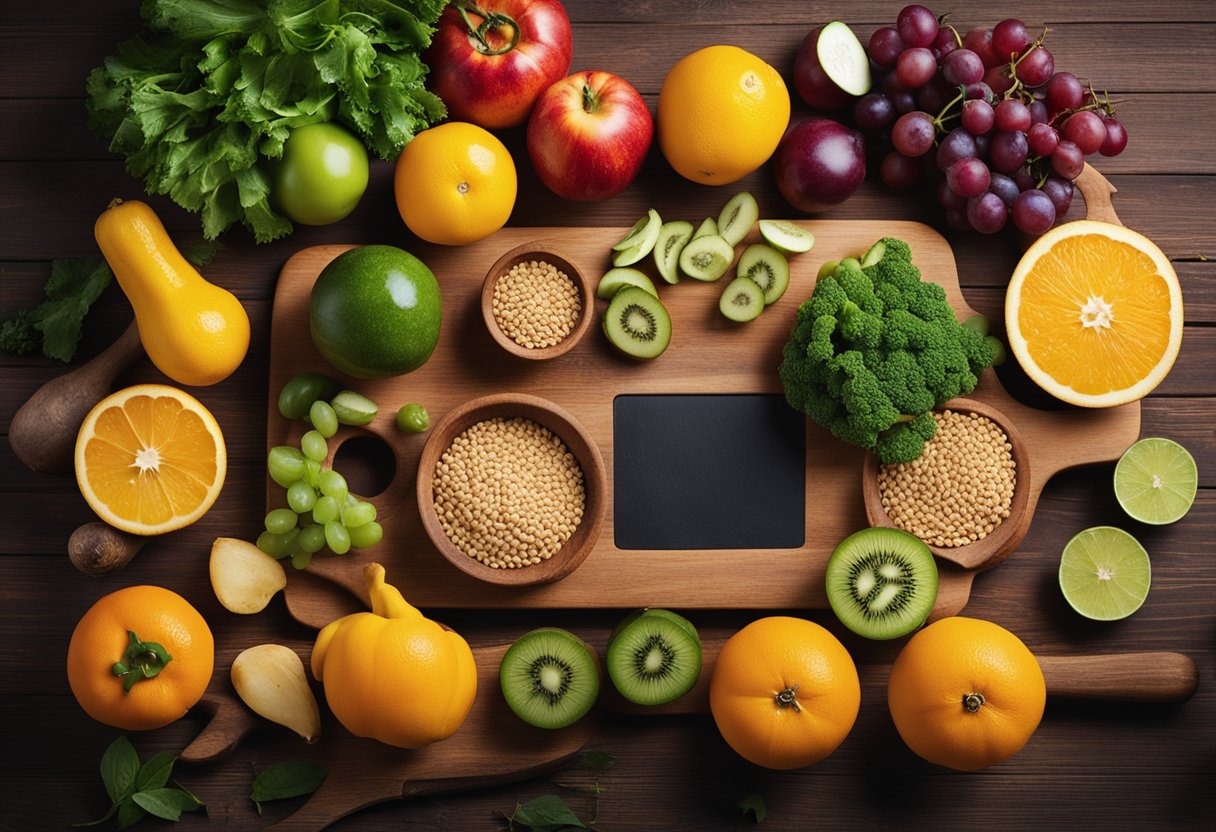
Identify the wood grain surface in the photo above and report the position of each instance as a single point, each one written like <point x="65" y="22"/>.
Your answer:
<point x="1105" y="765"/>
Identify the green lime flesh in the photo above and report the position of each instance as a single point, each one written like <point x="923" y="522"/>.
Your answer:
<point x="1104" y="573"/>
<point x="882" y="583"/>
<point x="550" y="678"/>
<point x="654" y="657"/>
<point x="1156" y="480"/>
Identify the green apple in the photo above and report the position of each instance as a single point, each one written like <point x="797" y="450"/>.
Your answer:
<point x="322" y="175"/>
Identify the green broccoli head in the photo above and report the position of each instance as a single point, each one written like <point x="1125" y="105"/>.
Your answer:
<point x="875" y="349"/>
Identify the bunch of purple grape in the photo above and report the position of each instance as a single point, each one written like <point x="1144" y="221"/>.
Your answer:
<point x="989" y="111"/>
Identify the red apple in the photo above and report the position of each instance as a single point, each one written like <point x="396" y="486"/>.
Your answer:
<point x="588" y="135"/>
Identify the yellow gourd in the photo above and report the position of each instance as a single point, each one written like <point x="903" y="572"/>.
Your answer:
<point x="195" y="332"/>
<point x="392" y="674"/>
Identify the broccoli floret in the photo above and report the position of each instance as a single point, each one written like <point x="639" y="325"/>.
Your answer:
<point x="875" y="349"/>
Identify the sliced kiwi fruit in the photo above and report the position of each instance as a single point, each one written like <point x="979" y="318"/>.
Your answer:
<point x="673" y="236"/>
<point x="882" y="583"/>
<point x="786" y="237"/>
<point x="742" y="300"/>
<point x="616" y="279"/>
<point x="707" y="228"/>
<point x="647" y="228"/>
<point x="550" y="677"/>
<point x="768" y="268"/>
<point x="873" y="254"/>
<point x="637" y="323"/>
<point x="707" y="258"/>
<point x="654" y="657"/>
<point x="738" y="216"/>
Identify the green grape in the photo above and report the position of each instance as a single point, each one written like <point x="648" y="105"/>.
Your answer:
<point x="360" y="514"/>
<point x="323" y="419"/>
<point x="337" y="537"/>
<point x="285" y="464"/>
<point x="281" y="520"/>
<point x="333" y="484"/>
<point x="326" y="510"/>
<point x="291" y="542"/>
<point x="301" y="559"/>
<point x="301" y="391"/>
<point x="301" y="497"/>
<point x="369" y="534"/>
<point x="312" y="472"/>
<point x="312" y="538"/>
<point x="353" y="408"/>
<point x="314" y="446"/>
<point x="272" y="544"/>
<point x="413" y="418"/>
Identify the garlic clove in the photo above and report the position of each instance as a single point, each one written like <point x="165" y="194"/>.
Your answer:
<point x="270" y="679"/>
<point x="243" y="576"/>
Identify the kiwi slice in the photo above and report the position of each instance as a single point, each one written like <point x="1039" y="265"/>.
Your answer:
<point x="654" y="657"/>
<point x="673" y="236"/>
<point x="647" y="228"/>
<point x="707" y="258"/>
<point x="742" y="301"/>
<point x="786" y="237"/>
<point x="550" y="677"/>
<point x="882" y="583"/>
<point x="637" y="323"/>
<point x="616" y="279"/>
<point x="873" y="254"/>
<point x="707" y="228"/>
<point x="738" y="216"/>
<point x="768" y="268"/>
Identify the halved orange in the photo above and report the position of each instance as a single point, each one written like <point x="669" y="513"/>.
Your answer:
<point x="150" y="459"/>
<point x="1094" y="314"/>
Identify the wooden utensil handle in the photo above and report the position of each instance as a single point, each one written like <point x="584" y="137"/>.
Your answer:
<point x="1128" y="677"/>
<point x="230" y="722"/>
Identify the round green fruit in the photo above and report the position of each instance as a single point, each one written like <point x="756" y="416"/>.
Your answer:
<point x="322" y="175"/>
<point x="375" y="312"/>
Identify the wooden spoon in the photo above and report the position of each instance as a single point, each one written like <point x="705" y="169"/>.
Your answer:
<point x="96" y="548"/>
<point x="43" y="431"/>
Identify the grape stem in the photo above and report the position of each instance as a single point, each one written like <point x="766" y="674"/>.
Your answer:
<point x="937" y="122"/>
<point x="1025" y="96"/>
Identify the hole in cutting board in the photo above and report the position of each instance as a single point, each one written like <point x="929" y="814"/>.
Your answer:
<point x="367" y="462"/>
<point x="708" y="472"/>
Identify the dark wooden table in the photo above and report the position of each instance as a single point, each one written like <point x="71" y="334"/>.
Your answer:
<point x="1100" y="766"/>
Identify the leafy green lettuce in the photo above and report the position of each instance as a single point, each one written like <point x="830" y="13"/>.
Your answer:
<point x="200" y="102"/>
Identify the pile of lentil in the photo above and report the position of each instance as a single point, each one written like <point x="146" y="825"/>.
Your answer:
<point x="508" y="492"/>
<point x="960" y="489"/>
<point x="536" y="304"/>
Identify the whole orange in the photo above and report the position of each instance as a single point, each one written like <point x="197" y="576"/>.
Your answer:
<point x="722" y="112"/>
<point x="784" y="692"/>
<point x="966" y="693"/>
<point x="140" y="658"/>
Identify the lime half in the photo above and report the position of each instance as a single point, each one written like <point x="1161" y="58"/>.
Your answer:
<point x="1104" y="573"/>
<point x="1155" y="481"/>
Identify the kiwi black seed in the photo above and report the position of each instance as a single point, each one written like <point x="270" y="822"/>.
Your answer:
<point x="882" y="583"/>
<point x="742" y="300"/>
<point x="654" y="657"/>
<point x="550" y="677"/>
<point x="768" y="268"/>
<point x="637" y="323"/>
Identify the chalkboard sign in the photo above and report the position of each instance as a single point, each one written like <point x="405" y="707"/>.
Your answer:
<point x="708" y="472"/>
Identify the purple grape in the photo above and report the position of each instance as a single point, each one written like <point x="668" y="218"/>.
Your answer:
<point x="1116" y="137"/>
<point x="977" y="118"/>
<point x="979" y="41"/>
<point x="1060" y="192"/>
<point x="1012" y="116"/>
<point x="904" y="101"/>
<point x="1064" y="92"/>
<point x="1086" y="130"/>
<point x="1009" y="38"/>
<point x="885" y="46"/>
<point x="898" y="171"/>
<point x="948" y="199"/>
<point x="1004" y="187"/>
<point x="997" y="78"/>
<point x="1009" y="151"/>
<point x="1036" y="66"/>
<point x="1038" y="112"/>
<point x="913" y="133"/>
<point x="987" y="213"/>
<point x="1067" y="160"/>
<point x="1033" y="211"/>
<point x="917" y="26"/>
<point x="915" y="67"/>
<point x="980" y="92"/>
<point x="1023" y="179"/>
<point x="982" y="145"/>
<point x="874" y="111"/>
<point x="968" y="177"/>
<point x="962" y="66"/>
<point x="956" y="218"/>
<point x="958" y="144"/>
<point x="933" y="96"/>
<point x="1042" y="139"/>
<point x="945" y="43"/>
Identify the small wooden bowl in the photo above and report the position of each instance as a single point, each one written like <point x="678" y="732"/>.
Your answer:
<point x="595" y="485"/>
<point x="537" y="251"/>
<point x="1005" y="536"/>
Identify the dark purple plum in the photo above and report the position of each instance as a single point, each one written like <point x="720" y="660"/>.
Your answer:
<point x="819" y="163"/>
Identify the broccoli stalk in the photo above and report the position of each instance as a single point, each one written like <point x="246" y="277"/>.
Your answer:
<point x="875" y="349"/>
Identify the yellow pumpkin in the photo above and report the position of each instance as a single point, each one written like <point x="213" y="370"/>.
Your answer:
<point x="195" y="332"/>
<point x="392" y="674"/>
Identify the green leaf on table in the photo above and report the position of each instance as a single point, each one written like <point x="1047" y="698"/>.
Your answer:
<point x="74" y="285"/>
<point x="290" y="779"/>
<point x="166" y="803"/>
<point x="129" y="814"/>
<point x="547" y="813"/>
<point x="597" y="760"/>
<point x="753" y="805"/>
<point x="155" y="772"/>
<point x="119" y="765"/>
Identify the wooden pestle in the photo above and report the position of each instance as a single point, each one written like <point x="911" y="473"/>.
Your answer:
<point x="43" y="431"/>
<point x="96" y="548"/>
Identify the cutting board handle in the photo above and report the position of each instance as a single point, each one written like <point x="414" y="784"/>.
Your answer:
<point x="229" y="724"/>
<point x="1097" y="191"/>
<point x="1127" y="677"/>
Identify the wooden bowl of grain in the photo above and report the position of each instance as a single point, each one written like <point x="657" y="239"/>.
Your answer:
<point x="983" y="480"/>
<point x="512" y="490"/>
<point x="536" y="302"/>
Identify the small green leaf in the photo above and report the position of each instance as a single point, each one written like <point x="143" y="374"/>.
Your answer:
<point x="199" y="252"/>
<point x="753" y="805"/>
<point x="119" y="766"/>
<point x="290" y="779"/>
<point x="547" y="813"/>
<point x="597" y="760"/>
<point x="155" y="772"/>
<point x="166" y="803"/>
<point x="129" y="814"/>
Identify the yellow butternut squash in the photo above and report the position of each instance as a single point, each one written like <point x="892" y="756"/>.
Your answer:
<point x="195" y="332"/>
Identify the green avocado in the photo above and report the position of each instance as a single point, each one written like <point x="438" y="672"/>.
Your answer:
<point x="375" y="312"/>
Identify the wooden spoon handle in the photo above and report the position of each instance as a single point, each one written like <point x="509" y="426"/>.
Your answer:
<point x="1097" y="191"/>
<point x="96" y="548"/>
<point x="43" y="432"/>
<point x="1128" y="677"/>
<point x="230" y="723"/>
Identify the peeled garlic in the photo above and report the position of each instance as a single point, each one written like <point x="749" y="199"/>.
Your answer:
<point x="243" y="576"/>
<point x="270" y="679"/>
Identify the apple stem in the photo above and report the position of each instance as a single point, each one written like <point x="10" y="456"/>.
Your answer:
<point x="489" y="22"/>
<point x="591" y="99"/>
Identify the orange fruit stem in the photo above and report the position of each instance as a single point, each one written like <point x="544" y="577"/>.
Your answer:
<point x="141" y="660"/>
